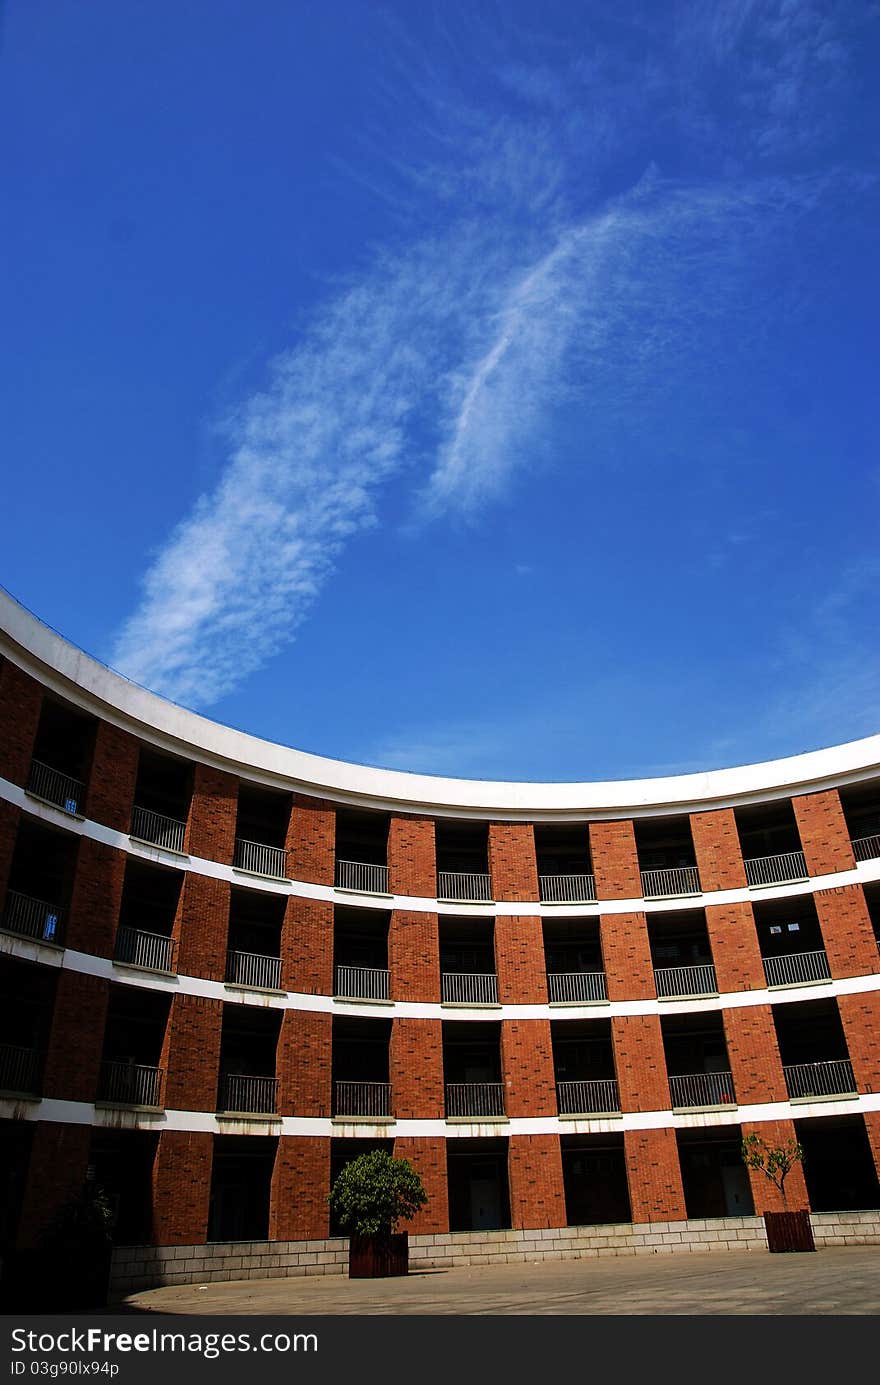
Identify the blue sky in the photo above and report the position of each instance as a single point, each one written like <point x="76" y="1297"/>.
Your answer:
<point x="487" y="390"/>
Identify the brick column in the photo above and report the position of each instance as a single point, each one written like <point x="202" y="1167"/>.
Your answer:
<point x="311" y="840"/>
<point x="298" y="1209"/>
<point x="211" y="828"/>
<point x="414" y="956"/>
<point x="527" y="1068"/>
<point x="615" y="860"/>
<point x="753" y="1051"/>
<point x="96" y="898"/>
<point x="412" y="857"/>
<point x="765" y="1196"/>
<point x="201" y="926"/>
<point x="415" y="1060"/>
<point x="304" y="1065"/>
<point x="823" y="832"/>
<point x="76" y="1037"/>
<point x="653" y="1172"/>
<point x="513" y="866"/>
<point x="626" y="957"/>
<point x="9" y="820"/>
<point x="717" y="848"/>
<point x="640" y="1063"/>
<point x="860" y="1017"/>
<point x="519" y="960"/>
<point x="872" y="1129"/>
<point x="428" y="1158"/>
<point x="21" y="699"/>
<point x="537" y="1194"/>
<point x="181" y="1180"/>
<point x="736" y="951"/>
<point x="57" y="1172"/>
<point x="110" y="792"/>
<point x="191" y="1053"/>
<point x="847" y="932"/>
<point x="307" y="946"/>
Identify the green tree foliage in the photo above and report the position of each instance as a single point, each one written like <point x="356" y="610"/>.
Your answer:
<point x="773" y="1161"/>
<point x="374" y="1192"/>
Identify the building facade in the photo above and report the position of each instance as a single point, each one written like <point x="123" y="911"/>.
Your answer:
<point x="227" y="967"/>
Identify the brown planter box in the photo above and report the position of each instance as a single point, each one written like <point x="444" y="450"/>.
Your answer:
<point x="789" y="1231"/>
<point x="378" y="1257"/>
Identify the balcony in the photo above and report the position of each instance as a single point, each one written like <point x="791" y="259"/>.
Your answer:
<point x="362" y="1099"/>
<point x="19" y="1070"/>
<point x="866" y="848"/>
<point x="361" y="983"/>
<point x="157" y="829"/>
<point x="361" y="877"/>
<point x="594" y="1097"/>
<point x="456" y="886"/>
<point x="475" y="1100"/>
<point x="253" y="969"/>
<point x="468" y="988"/>
<point x="54" y="787"/>
<point x="680" y="981"/>
<point x="151" y="951"/>
<point x="576" y="987"/>
<point x="775" y="870"/>
<point x="806" y="1080"/>
<point x="796" y="968"/>
<point x="700" y="1089"/>
<point x="130" y="1084"/>
<point x="32" y="918"/>
<point x="670" y="883"/>
<point x="248" y="1095"/>
<point x="260" y="859"/>
<point x="567" y="889"/>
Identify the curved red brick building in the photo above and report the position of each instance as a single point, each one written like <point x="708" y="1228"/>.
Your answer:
<point x="227" y="966"/>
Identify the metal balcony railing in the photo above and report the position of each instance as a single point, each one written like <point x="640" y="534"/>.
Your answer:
<point x="18" y="1070"/>
<point x="696" y="980"/>
<point x="152" y="951"/>
<point x="252" y="1095"/>
<point x="259" y="858"/>
<point x="795" y="967"/>
<point x="833" y="1078"/>
<point x="469" y="988"/>
<point x="362" y="1099"/>
<point x="253" y="969"/>
<point x="365" y="983"/>
<point x="361" y="876"/>
<point x="130" y="1084"/>
<point x="866" y="848"/>
<point x="477" y="1099"/>
<point x="463" y="885"/>
<point x="665" y="884"/>
<point x="55" y="787"/>
<point x="587" y="1098"/>
<point x="702" y="1089"/>
<point x="32" y="918"/>
<point x="567" y="889"/>
<point x="572" y="987"/>
<point x="776" y="870"/>
<point x="158" y="829"/>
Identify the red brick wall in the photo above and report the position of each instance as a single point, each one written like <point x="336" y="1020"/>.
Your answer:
<point x="872" y="1128"/>
<point x="653" y="1172"/>
<point x="847" y="932"/>
<point x="414" y="956"/>
<point x="311" y="840"/>
<point x="860" y="1017"/>
<point x="527" y="1065"/>
<point x="211" y="829"/>
<point x="307" y="946"/>
<point x="519" y="960"/>
<point x="305" y="1048"/>
<point x="537" y="1195"/>
<point x="615" y="860"/>
<point x="110" y="793"/>
<point x="191" y="1053"/>
<point x="20" y="702"/>
<point x="736" y="951"/>
<point x="412" y="857"/>
<point x="95" y="899"/>
<point x="76" y="1037"/>
<point x="415" y="1060"/>
<point x="512" y="862"/>
<point x="201" y="926"/>
<point x="57" y="1171"/>
<point x="298" y="1209"/>
<point x="626" y="956"/>
<point x="823" y="832"/>
<point x="765" y="1195"/>
<point x="428" y="1158"/>
<point x="640" y="1062"/>
<point x="753" y="1052"/>
<point x="181" y="1181"/>
<point x="9" y="820"/>
<point x="717" y="848"/>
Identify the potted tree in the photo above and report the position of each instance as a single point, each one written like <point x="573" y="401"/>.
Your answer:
<point x="369" y="1197"/>
<point x="785" y="1230"/>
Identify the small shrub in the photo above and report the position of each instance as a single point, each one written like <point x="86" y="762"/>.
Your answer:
<point x="375" y="1192"/>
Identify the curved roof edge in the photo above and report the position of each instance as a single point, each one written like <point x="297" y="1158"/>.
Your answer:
<point x="55" y="661"/>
